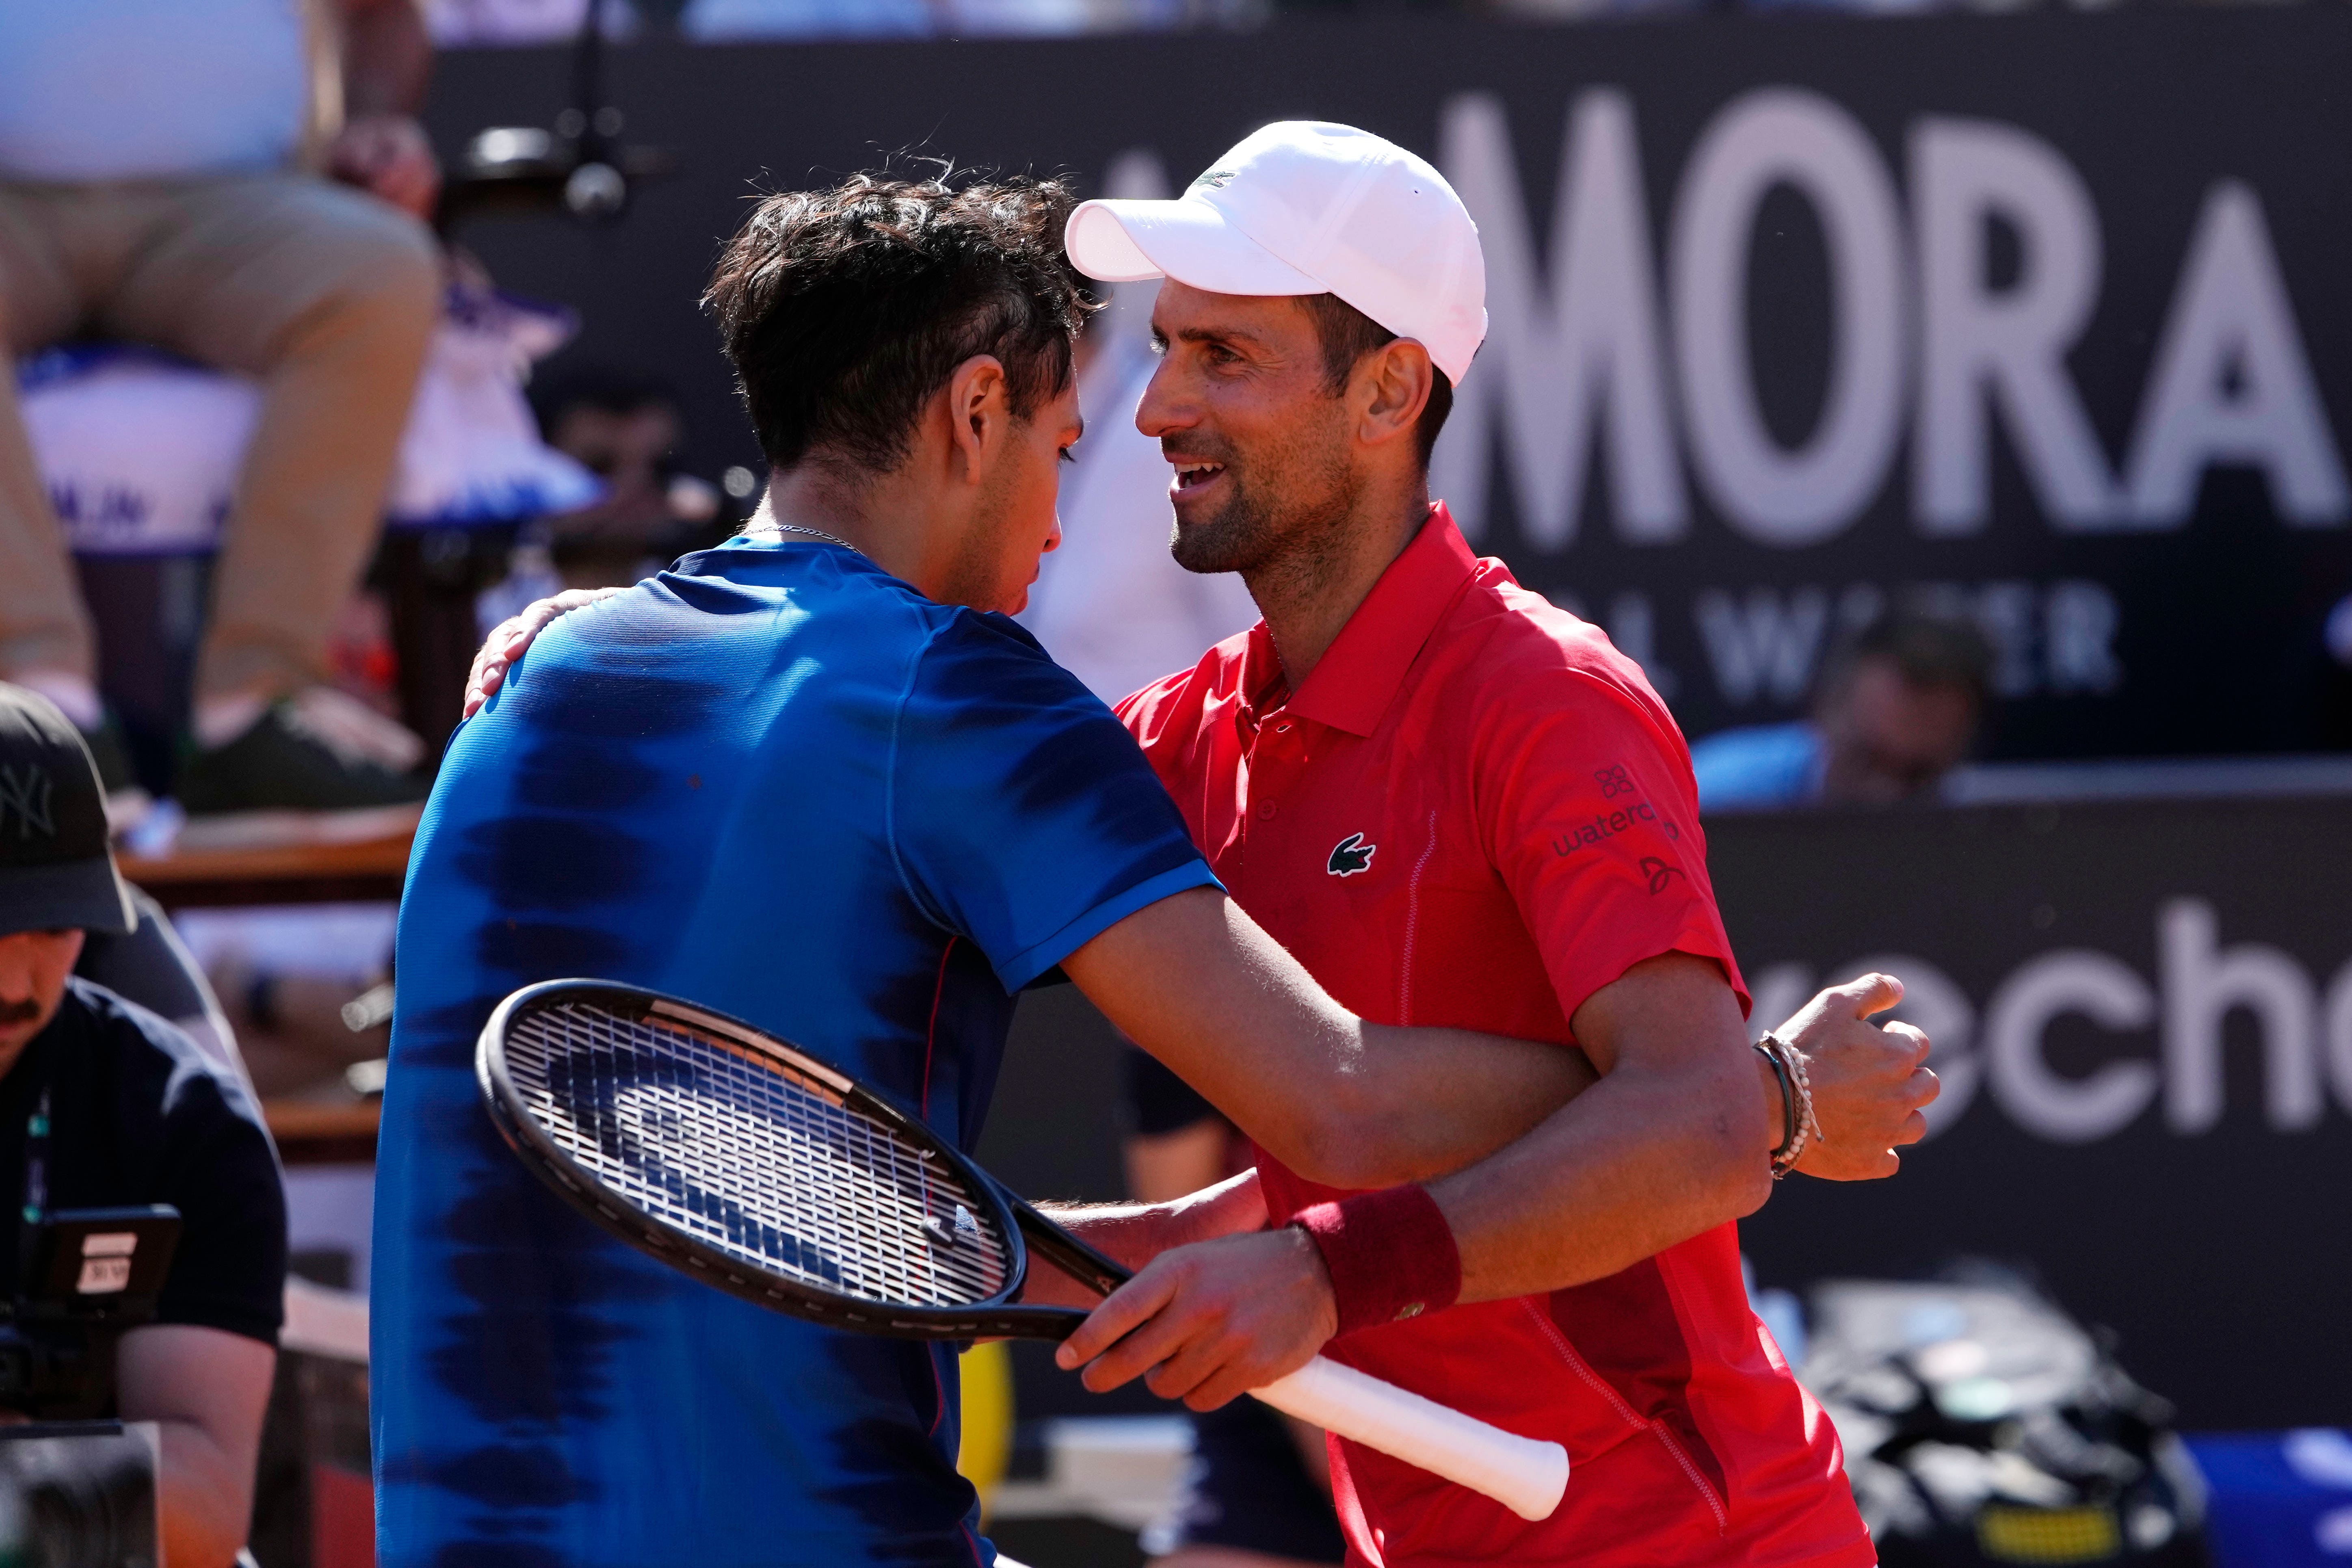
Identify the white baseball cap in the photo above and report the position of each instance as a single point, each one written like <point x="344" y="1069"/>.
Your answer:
<point x="1304" y="208"/>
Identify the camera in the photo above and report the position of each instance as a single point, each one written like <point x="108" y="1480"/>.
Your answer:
<point x="90" y="1276"/>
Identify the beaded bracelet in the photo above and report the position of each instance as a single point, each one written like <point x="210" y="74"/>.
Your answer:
<point x="1789" y="1066"/>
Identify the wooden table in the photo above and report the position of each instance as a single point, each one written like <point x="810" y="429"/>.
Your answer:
<point x="304" y="874"/>
<point x="312" y="1134"/>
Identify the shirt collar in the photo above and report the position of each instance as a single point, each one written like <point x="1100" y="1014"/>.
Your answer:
<point x="1349" y="689"/>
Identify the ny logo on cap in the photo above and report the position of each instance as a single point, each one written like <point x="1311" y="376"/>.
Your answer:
<point x="26" y="791"/>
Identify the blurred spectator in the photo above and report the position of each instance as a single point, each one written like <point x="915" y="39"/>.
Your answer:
<point x="152" y="189"/>
<point x="1897" y="709"/>
<point x="1257" y="1493"/>
<point x="1111" y="605"/>
<point x="624" y="428"/>
<point x="103" y="1105"/>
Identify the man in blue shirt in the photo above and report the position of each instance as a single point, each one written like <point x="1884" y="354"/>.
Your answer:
<point x="781" y="782"/>
<point x="1897" y="709"/>
<point x="807" y="779"/>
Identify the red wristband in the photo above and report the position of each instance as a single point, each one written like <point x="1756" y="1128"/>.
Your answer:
<point x="1391" y="1255"/>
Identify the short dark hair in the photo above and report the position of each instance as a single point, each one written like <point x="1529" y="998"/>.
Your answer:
<point x="1347" y="335"/>
<point x="1930" y="646"/>
<point x="845" y="309"/>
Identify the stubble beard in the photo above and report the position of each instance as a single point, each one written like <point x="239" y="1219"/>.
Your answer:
<point x="1239" y="537"/>
<point x="1283" y="542"/>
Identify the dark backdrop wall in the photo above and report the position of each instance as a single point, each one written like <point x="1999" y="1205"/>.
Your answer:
<point x="2039" y="315"/>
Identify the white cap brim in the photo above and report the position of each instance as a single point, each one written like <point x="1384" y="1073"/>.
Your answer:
<point x="1191" y="241"/>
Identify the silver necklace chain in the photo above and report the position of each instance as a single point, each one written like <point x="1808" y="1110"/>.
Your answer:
<point x="812" y="533"/>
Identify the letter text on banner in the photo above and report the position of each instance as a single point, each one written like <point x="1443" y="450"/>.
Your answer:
<point x="1776" y="136"/>
<point x="1567" y="358"/>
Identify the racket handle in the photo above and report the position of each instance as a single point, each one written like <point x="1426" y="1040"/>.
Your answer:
<point x="1523" y="1474"/>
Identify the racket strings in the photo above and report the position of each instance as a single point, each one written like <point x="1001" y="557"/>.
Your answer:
<point x="743" y="1159"/>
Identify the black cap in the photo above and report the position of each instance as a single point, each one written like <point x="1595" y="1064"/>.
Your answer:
<point x="55" y="871"/>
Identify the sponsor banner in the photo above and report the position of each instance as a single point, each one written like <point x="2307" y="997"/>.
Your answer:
<point x="2037" y="315"/>
<point x="2143" y="1020"/>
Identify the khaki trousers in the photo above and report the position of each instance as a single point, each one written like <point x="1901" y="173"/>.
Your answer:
<point x="324" y="295"/>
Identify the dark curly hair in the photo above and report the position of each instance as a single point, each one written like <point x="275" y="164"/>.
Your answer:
<point x="845" y="309"/>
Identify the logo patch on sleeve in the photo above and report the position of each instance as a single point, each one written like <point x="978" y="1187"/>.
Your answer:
<point x="1352" y="855"/>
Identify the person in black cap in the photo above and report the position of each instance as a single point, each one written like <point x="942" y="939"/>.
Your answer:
<point x="103" y="1105"/>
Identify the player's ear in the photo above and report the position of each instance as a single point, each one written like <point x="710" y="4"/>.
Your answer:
<point x="1392" y="382"/>
<point x="979" y="413"/>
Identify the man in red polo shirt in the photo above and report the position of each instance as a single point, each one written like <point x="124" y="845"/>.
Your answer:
<point x="1454" y="803"/>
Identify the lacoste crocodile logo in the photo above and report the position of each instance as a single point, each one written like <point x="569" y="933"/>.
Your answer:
<point x="1352" y="855"/>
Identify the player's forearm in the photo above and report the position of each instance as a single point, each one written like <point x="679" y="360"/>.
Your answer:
<point x="1193" y="981"/>
<point x="207" y="1390"/>
<point x="1444" y="1099"/>
<point x="1431" y="1102"/>
<point x="205" y="1498"/>
<point x="1645" y="1160"/>
<point x="1135" y="1234"/>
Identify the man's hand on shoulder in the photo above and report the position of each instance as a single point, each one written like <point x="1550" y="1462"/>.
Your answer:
<point x="1870" y="1082"/>
<point x="510" y="636"/>
<point x="1211" y="1322"/>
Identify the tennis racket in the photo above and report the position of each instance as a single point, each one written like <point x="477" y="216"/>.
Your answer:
<point x="739" y="1159"/>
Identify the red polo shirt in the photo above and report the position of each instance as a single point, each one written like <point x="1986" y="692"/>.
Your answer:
<point x="1475" y="813"/>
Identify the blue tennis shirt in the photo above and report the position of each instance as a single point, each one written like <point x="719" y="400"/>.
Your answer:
<point x="780" y="783"/>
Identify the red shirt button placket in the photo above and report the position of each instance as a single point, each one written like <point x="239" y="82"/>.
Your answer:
<point x="1275" y="759"/>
